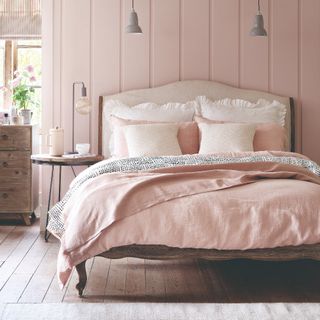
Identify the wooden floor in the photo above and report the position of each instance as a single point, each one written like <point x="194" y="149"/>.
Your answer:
<point x="28" y="275"/>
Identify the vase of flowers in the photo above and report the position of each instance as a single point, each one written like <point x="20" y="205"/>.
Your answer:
<point x="23" y="92"/>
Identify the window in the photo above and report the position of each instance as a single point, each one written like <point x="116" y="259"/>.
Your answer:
<point x="2" y="62"/>
<point x="17" y="55"/>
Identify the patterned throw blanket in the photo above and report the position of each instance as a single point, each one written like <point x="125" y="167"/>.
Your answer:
<point x="56" y="224"/>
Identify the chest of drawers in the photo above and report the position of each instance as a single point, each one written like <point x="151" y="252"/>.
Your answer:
<point x="16" y="183"/>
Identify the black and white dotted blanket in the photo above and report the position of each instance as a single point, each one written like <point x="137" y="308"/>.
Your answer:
<point x="56" y="224"/>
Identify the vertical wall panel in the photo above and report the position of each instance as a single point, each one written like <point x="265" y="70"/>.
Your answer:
<point x="284" y="47"/>
<point x="165" y="41"/>
<point x="135" y="61"/>
<point x="284" y="52"/>
<point x="57" y="72"/>
<point x="225" y="49"/>
<point x="195" y="44"/>
<point x="75" y="64"/>
<point x="254" y="50"/>
<point x="105" y="56"/>
<point x="310" y="77"/>
<point x="47" y="97"/>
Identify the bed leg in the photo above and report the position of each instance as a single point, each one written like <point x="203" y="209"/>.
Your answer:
<point x="81" y="269"/>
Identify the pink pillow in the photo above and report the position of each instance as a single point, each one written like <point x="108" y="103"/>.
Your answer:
<point x="268" y="136"/>
<point x="188" y="135"/>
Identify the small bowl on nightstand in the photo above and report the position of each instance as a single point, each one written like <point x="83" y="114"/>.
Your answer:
<point x="83" y="148"/>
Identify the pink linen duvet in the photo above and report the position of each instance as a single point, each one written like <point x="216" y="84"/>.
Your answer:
<point x="229" y="201"/>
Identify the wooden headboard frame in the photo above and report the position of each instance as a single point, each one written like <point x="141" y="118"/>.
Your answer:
<point x="135" y="94"/>
<point x="293" y="124"/>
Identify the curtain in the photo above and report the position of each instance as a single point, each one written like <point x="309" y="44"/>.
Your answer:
<point x="20" y="19"/>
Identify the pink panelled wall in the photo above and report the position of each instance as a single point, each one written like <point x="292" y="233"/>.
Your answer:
<point x="183" y="39"/>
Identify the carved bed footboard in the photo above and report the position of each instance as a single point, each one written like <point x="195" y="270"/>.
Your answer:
<point x="158" y="252"/>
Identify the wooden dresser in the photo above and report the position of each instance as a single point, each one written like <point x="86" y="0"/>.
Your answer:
<point x="16" y="183"/>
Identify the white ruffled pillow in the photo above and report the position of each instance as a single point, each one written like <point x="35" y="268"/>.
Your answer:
<point x="237" y="110"/>
<point x="169" y="112"/>
<point x="229" y="137"/>
<point x="149" y="111"/>
<point x="152" y="140"/>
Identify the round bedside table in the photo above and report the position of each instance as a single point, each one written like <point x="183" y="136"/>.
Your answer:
<point x="63" y="161"/>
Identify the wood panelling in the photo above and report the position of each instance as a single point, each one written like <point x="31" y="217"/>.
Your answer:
<point x="254" y="67"/>
<point x="182" y="39"/>
<point x="135" y="50"/>
<point x="105" y="42"/>
<point x="284" y="53"/>
<point x="191" y="38"/>
<point x="284" y="47"/>
<point x="75" y="65"/>
<point x="195" y="40"/>
<point x="165" y="49"/>
<point x="225" y="50"/>
<point x="56" y="63"/>
<point x="310" y="76"/>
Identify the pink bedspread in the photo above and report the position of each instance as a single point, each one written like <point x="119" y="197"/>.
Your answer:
<point x="221" y="206"/>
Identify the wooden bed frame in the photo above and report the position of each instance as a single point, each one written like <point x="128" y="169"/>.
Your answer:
<point x="158" y="252"/>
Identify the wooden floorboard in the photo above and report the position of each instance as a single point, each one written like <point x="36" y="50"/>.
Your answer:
<point x="28" y="275"/>
<point x="10" y="242"/>
<point x="155" y="281"/>
<point x="4" y="231"/>
<point x="97" y="279"/>
<point x="24" y="272"/>
<point x="135" y="279"/>
<point x="42" y="278"/>
<point x="116" y="282"/>
<point x="23" y="244"/>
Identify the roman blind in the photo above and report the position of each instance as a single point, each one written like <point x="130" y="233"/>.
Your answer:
<point x="20" y="19"/>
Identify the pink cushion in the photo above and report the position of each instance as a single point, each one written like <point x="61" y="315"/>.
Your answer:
<point x="188" y="135"/>
<point x="268" y="136"/>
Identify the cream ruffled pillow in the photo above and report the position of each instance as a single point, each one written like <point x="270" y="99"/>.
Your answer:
<point x="237" y="110"/>
<point x="152" y="140"/>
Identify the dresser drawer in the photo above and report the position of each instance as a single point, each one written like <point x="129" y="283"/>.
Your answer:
<point x="14" y="165"/>
<point x="15" y="159"/>
<point x="15" y="198"/>
<point x="15" y="138"/>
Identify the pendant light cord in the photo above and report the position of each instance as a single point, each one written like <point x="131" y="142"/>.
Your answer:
<point x="258" y="6"/>
<point x="132" y="4"/>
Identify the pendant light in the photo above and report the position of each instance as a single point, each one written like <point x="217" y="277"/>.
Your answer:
<point x="133" y="25"/>
<point x="258" y="29"/>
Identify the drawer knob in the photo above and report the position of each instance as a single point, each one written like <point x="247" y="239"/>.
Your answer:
<point x="5" y="196"/>
<point x="5" y="164"/>
<point x="16" y="172"/>
<point x="5" y="137"/>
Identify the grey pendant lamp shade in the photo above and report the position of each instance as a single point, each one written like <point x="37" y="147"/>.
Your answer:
<point x="258" y="29"/>
<point x="133" y="25"/>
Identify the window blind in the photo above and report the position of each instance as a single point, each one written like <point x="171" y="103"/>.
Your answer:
<point x="20" y="19"/>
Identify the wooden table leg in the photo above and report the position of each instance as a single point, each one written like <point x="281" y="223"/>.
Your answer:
<point x="46" y="233"/>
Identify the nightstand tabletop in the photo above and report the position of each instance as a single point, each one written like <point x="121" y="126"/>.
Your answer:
<point x="67" y="160"/>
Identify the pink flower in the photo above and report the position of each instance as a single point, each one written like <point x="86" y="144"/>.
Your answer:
<point x="32" y="79"/>
<point x="3" y="89"/>
<point x="15" y="82"/>
<point x="16" y="73"/>
<point x="30" y="68"/>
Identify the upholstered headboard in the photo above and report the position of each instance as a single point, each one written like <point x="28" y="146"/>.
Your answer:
<point x="183" y="91"/>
